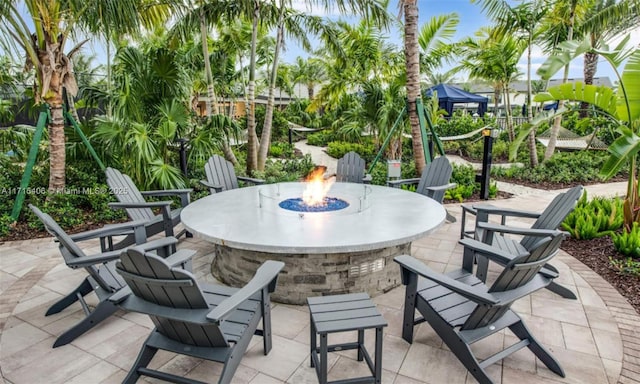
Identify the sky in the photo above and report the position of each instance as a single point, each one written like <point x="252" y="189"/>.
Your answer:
<point x="471" y="19"/>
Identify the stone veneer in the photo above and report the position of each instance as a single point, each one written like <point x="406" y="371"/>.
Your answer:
<point x="306" y="275"/>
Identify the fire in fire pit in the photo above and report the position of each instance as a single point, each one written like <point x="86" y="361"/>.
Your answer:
<point x="314" y="198"/>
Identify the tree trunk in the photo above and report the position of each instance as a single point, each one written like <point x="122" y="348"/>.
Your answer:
<point x="412" y="60"/>
<point x="533" y="153"/>
<point x="507" y="113"/>
<point x="265" y="138"/>
<point x="589" y="70"/>
<point x="553" y="137"/>
<point x="252" y="137"/>
<point x="56" y="147"/>
<point x="211" y="93"/>
<point x="310" y="91"/>
<point x="71" y="105"/>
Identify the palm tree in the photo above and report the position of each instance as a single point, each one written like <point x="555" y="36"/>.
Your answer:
<point x="412" y="61"/>
<point x="495" y="61"/>
<point x="296" y="25"/>
<point x="568" y="8"/>
<point x="523" y="21"/>
<point x="53" y="22"/>
<point x="604" y="20"/>
<point x="309" y="72"/>
<point x="435" y="42"/>
<point x="435" y="78"/>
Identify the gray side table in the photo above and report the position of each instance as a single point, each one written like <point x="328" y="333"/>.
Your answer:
<point x="342" y="313"/>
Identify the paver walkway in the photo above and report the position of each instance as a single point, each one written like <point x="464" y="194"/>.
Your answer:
<point x="594" y="338"/>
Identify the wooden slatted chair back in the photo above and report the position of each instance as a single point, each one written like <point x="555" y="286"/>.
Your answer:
<point x="436" y="173"/>
<point x="70" y="251"/>
<point x="516" y="274"/>
<point x="127" y="192"/>
<point x="350" y="168"/>
<point x="555" y="213"/>
<point x="220" y="172"/>
<point x="153" y="280"/>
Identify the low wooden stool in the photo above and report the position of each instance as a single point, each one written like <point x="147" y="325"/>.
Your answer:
<point x="341" y="313"/>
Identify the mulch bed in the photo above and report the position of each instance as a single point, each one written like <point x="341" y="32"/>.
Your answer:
<point x="595" y="254"/>
<point x="22" y="231"/>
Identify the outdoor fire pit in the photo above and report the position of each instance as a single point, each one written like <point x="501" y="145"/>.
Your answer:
<point x="328" y="249"/>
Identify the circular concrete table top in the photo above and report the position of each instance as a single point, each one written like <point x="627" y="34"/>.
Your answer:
<point x="250" y="219"/>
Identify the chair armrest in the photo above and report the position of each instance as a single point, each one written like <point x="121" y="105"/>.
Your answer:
<point x="397" y="183"/>
<point x="167" y="192"/>
<point x="207" y="184"/>
<point x="154" y="245"/>
<point x="135" y="304"/>
<point x="539" y="281"/>
<point x="441" y="187"/>
<point x="87" y="261"/>
<point x="251" y="180"/>
<point x="415" y="266"/>
<point x="180" y="257"/>
<point x="499" y="256"/>
<point x="109" y="230"/>
<point x="265" y="276"/>
<point x="120" y="295"/>
<point x="185" y="198"/>
<point x="493" y="210"/>
<point x="153" y="204"/>
<point x="490" y="227"/>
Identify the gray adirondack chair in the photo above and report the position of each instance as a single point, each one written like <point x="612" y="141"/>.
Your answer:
<point x="222" y="177"/>
<point x="351" y="169"/>
<point x="200" y="320"/>
<point x="462" y="310"/>
<point x="101" y="277"/>
<point x="433" y="182"/>
<point x="133" y="201"/>
<point x="547" y="221"/>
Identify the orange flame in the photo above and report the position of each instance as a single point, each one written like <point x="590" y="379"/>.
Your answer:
<point x="317" y="186"/>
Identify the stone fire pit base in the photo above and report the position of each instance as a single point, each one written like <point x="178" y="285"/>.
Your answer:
<point x="306" y="275"/>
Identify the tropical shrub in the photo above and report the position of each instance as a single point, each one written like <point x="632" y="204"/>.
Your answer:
<point x="595" y="218"/>
<point x="281" y="149"/>
<point x="628" y="242"/>
<point x="563" y="167"/>
<point x="322" y="138"/>
<point x="465" y="178"/>
<point x="5" y="224"/>
<point x="286" y="170"/>
<point x="337" y="149"/>
<point x="627" y="266"/>
<point x="461" y="123"/>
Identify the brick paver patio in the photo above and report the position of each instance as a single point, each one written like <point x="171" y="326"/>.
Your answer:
<point x="595" y="338"/>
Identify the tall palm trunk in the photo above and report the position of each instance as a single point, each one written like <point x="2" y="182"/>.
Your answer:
<point x="53" y="98"/>
<point x="589" y="70"/>
<point x="57" y="157"/>
<point x="553" y="138"/>
<point x="252" y="137"/>
<point x="533" y="153"/>
<point x="265" y="138"/>
<point x="211" y="93"/>
<point x="412" y="60"/>
<point x="310" y="90"/>
<point x="507" y="112"/>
